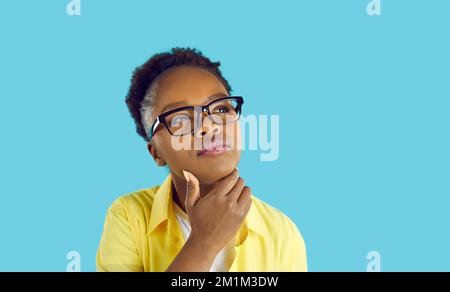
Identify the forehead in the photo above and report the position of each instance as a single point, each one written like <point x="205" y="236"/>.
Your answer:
<point x="187" y="85"/>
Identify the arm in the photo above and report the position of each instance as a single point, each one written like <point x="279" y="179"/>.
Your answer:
<point x="117" y="250"/>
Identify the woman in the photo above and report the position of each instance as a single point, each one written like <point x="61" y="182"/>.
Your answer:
<point x="202" y="217"/>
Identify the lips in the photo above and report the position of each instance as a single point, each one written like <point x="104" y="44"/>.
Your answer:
<point x="214" y="148"/>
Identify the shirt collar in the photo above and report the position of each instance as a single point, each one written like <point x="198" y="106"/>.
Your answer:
<point x="162" y="210"/>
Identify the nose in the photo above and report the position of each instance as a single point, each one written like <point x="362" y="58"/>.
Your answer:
<point x="207" y="127"/>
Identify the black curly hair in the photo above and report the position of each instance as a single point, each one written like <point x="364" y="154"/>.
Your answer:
<point x="145" y="75"/>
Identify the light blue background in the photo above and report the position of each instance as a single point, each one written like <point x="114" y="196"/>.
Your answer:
<point x="363" y="104"/>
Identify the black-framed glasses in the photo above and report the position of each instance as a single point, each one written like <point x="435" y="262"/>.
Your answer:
<point x="188" y="120"/>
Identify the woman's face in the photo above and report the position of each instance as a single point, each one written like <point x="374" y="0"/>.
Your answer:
<point x="191" y="86"/>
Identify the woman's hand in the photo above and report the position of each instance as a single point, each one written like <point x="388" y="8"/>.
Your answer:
<point x="214" y="219"/>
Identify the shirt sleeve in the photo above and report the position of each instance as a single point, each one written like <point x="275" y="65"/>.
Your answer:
<point x="117" y="250"/>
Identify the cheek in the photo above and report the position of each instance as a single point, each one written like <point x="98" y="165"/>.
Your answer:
<point x="173" y="153"/>
<point x="232" y="134"/>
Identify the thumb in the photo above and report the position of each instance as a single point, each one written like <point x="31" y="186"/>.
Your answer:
<point x="192" y="189"/>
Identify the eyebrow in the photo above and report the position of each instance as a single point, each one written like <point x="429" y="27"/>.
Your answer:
<point x="183" y="103"/>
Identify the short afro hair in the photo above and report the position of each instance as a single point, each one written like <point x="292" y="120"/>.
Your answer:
<point x="146" y="76"/>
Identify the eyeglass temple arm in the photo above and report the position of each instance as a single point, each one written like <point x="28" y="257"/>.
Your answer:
<point x="153" y="127"/>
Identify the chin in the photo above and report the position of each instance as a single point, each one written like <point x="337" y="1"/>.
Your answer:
<point x="210" y="173"/>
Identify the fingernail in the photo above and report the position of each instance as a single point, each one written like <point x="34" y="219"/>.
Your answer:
<point x="186" y="175"/>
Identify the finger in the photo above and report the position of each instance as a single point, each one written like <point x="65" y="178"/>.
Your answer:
<point x="237" y="189"/>
<point x="244" y="196"/>
<point x="224" y="186"/>
<point x="247" y="208"/>
<point x="192" y="189"/>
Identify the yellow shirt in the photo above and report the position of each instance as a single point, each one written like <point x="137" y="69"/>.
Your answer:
<point x="141" y="233"/>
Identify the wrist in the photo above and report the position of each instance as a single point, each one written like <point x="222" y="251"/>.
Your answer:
<point x="205" y="248"/>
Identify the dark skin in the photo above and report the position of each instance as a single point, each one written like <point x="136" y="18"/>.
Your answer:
<point x="208" y="188"/>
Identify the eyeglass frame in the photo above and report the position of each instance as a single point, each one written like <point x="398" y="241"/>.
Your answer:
<point x="161" y="119"/>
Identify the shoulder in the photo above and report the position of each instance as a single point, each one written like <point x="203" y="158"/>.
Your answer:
<point x="284" y="237"/>
<point x="276" y="222"/>
<point x="135" y="204"/>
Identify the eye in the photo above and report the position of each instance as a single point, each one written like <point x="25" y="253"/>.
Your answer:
<point x="179" y="119"/>
<point x="224" y="108"/>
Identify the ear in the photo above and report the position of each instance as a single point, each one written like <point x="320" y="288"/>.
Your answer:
<point x="154" y="153"/>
